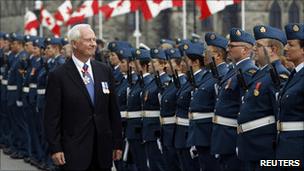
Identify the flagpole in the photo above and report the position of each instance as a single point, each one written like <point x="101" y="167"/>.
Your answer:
<point x="37" y="10"/>
<point x="243" y="14"/>
<point x="100" y="22"/>
<point x="137" y="33"/>
<point x="184" y="20"/>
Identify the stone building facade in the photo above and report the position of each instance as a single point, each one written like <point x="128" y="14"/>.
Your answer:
<point x="168" y="24"/>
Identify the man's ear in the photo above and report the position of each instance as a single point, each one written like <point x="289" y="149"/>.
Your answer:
<point x="74" y="44"/>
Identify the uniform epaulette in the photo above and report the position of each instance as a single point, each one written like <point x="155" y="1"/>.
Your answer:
<point x="284" y="76"/>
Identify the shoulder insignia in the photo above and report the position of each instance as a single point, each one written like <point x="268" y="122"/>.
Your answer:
<point x="284" y="76"/>
<point x="252" y="71"/>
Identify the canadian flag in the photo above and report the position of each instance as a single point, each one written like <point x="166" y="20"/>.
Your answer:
<point x="151" y="8"/>
<point x="119" y="7"/>
<point x="31" y="23"/>
<point x="49" y="21"/>
<point x="88" y="9"/>
<point x="63" y="12"/>
<point x="209" y="7"/>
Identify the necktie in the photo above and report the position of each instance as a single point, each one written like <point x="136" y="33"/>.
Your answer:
<point x="88" y="81"/>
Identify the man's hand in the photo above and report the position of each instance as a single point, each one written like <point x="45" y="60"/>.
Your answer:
<point x="117" y="154"/>
<point x="58" y="158"/>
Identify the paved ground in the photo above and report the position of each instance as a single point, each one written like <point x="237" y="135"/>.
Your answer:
<point x="9" y="164"/>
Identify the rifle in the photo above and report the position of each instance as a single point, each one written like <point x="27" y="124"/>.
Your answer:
<point x="140" y="75"/>
<point x="157" y="77"/>
<point x="213" y="67"/>
<point x="239" y="76"/>
<point x="129" y="73"/>
<point x="174" y="74"/>
<point x="273" y="71"/>
<point x="190" y="74"/>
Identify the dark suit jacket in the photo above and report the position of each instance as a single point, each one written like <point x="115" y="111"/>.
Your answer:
<point x="71" y="119"/>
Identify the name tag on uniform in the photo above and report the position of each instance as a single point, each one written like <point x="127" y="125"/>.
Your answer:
<point x="105" y="87"/>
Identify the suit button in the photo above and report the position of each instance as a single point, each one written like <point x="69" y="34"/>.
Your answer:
<point x="94" y="115"/>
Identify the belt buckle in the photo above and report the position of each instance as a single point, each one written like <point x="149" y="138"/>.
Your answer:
<point x="190" y="115"/>
<point x="161" y="120"/>
<point x="239" y="129"/>
<point x="214" y="119"/>
<point x="279" y="126"/>
<point x="143" y="113"/>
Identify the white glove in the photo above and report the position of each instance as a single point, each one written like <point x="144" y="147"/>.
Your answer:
<point x="19" y="103"/>
<point x="237" y="151"/>
<point x="193" y="152"/>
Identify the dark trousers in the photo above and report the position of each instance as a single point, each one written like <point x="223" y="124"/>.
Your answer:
<point x="155" y="158"/>
<point x="94" y="166"/>
<point x="207" y="161"/>
<point x="185" y="160"/>
<point x="138" y="152"/>
<point x="171" y="158"/>
<point x="230" y="162"/>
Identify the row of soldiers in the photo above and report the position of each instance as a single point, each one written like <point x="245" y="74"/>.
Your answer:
<point x="25" y="62"/>
<point x="224" y="106"/>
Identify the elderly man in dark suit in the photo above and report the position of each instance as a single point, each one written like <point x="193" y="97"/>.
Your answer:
<point x="82" y="119"/>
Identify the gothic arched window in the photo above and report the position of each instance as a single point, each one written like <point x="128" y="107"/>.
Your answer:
<point x="275" y="15"/>
<point x="294" y="13"/>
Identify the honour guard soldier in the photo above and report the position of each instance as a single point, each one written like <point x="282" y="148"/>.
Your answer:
<point x="5" y="121"/>
<point x="124" y="54"/>
<point x="16" y="72"/>
<point x="229" y="99"/>
<point x="290" y="124"/>
<point x="168" y="107"/>
<point x="114" y="48"/>
<point x="186" y="161"/>
<point x="216" y="49"/>
<point x="27" y="110"/>
<point x="256" y="123"/>
<point x="134" y="118"/>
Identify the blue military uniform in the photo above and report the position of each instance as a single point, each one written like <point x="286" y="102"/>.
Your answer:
<point x="202" y="107"/>
<point x="126" y="163"/>
<point x="30" y="115"/>
<point x="291" y="119"/>
<point x="21" y="137"/>
<point x="182" y="109"/>
<point x="256" y="141"/>
<point x="167" y="113"/>
<point x="228" y="106"/>
<point x="134" y="124"/>
<point x="7" y="127"/>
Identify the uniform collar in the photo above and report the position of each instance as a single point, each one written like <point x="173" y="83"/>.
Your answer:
<point x="238" y="63"/>
<point x="299" y="67"/>
<point x="198" y="71"/>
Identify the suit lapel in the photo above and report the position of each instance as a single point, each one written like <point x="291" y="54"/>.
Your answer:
<point x="75" y="76"/>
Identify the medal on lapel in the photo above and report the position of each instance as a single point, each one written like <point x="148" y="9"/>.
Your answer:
<point x="86" y="80"/>
<point x="105" y="88"/>
<point x="256" y="91"/>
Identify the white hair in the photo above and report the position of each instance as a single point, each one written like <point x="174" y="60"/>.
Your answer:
<point x="74" y="32"/>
